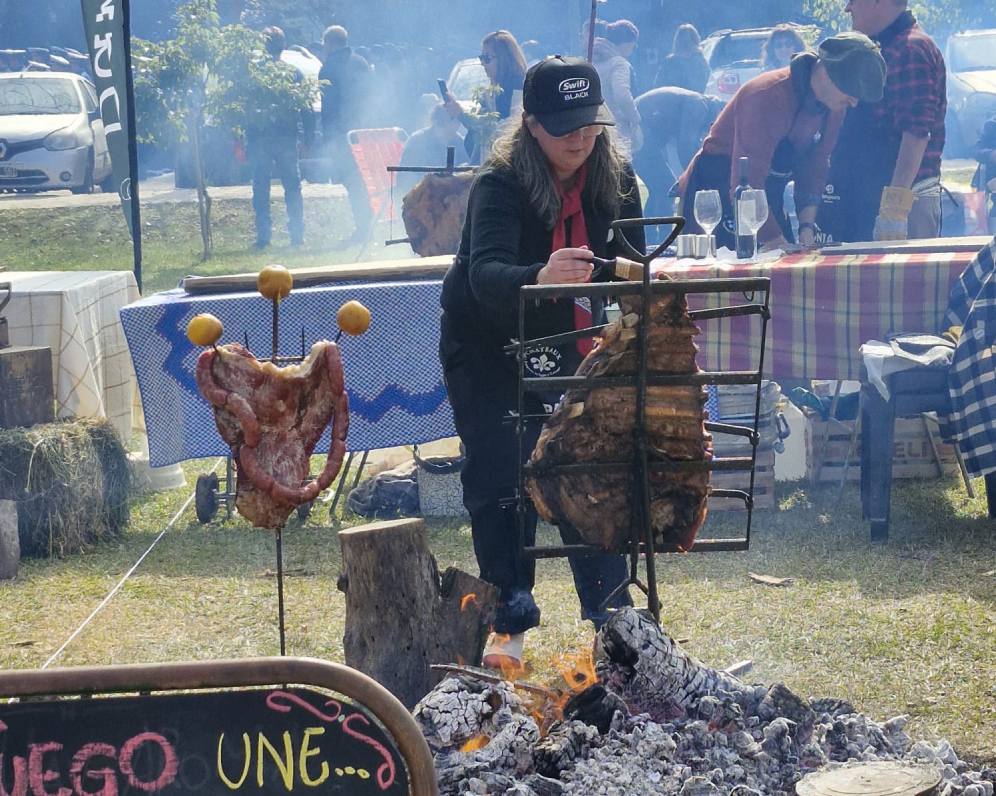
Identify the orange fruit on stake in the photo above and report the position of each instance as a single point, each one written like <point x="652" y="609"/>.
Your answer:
<point x="204" y="329"/>
<point x="274" y="282"/>
<point x="353" y="318"/>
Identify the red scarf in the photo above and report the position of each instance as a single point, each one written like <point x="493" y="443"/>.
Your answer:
<point x="570" y="231"/>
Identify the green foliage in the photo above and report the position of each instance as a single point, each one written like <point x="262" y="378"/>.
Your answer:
<point x="939" y="17"/>
<point x="210" y="71"/>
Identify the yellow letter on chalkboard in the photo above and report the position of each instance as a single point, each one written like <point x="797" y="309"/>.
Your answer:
<point x="245" y="768"/>
<point x="306" y="752"/>
<point x="285" y="764"/>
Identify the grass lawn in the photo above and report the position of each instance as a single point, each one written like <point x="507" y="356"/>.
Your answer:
<point x="95" y="238"/>
<point x="909" y="627"/>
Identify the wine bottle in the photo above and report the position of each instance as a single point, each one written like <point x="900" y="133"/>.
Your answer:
<point x="745" y="240"/>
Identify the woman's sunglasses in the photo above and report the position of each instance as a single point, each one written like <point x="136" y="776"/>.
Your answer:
<point x="485" y="58"/>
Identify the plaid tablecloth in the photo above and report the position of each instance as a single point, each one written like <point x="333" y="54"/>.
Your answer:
<point x="393" y="375"/>
<point x="824" y="307"/>
<point x="75" y="313"/>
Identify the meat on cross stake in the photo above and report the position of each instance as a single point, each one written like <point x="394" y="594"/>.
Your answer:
<point x="596" y="425"/>
<point x="272" y="418"/>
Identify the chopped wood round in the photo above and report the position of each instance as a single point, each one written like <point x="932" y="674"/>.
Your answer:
<point x="878" y="778"/>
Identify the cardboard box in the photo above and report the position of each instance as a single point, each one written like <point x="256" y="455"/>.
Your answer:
<point x="913" y="455"/>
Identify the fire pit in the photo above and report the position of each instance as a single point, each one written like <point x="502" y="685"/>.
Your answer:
<point x="658" y="721"/>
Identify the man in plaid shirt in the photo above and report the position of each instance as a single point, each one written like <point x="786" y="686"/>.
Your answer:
<point x="886" y="184"/>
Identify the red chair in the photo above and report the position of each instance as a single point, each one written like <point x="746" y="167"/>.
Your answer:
<point x="374" y="150"/>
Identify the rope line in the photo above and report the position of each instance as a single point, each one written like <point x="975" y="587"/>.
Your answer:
<point x="124" y="579"/>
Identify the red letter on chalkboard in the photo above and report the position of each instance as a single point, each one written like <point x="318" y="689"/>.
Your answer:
<point x="109" y="775"/>
<point x="20" y="766"/>
<point x="170" y="762"/>
<point x="38" y="775"/>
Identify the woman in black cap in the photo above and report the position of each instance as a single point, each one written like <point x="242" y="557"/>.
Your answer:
<point x="538" y="211"/>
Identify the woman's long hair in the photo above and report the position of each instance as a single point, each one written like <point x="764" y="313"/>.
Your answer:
<point x="777" y="34"/>
<point x="518" y="151"/>
<point x="511" y="71"/>
<point x="686" y="40"/>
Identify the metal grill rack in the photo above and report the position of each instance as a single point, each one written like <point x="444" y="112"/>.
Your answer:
<point x="641" y="541"/>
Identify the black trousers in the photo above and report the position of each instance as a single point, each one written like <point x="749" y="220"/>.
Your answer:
<point x="482" y="390"/>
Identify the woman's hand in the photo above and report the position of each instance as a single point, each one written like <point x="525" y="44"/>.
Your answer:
<point x="774" y="243"/>
<point x="453" y="107"/>
<point x="566" y="267"/>
<point x="807" y="236"/>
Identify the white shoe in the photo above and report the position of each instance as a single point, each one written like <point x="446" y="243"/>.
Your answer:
<point x="504" y="651"/>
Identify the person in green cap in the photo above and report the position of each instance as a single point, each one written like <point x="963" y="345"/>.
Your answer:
<point x="785" y="122"/>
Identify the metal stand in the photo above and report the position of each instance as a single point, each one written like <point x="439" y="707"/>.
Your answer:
<point x="450" y="168"/>
<point x="642" y="542"/>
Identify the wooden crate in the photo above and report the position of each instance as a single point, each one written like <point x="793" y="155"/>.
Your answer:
<point x="913" y="456"/>
<point x="764" y="484"/>
<point x="26" y="390"/>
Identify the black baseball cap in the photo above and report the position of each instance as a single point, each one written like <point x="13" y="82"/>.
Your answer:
<point x="564" y="94"/>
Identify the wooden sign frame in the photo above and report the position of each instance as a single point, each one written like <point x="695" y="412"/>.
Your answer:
<point x="212" y="676"/>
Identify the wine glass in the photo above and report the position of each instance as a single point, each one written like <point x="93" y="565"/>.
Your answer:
<point x="752" y="210"/>
<point x="708" y="213"/>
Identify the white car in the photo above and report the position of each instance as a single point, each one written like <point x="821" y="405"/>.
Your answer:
<point x="467" y="78"/>
<point x="734" y="57"/>
<point x="971" y="82"/>
<point x="51" y="135"/>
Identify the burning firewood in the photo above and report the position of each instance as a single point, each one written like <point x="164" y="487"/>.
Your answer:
<point x="596" y="425"/>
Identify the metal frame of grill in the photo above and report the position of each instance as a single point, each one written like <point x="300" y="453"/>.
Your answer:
<point x="641" y="542"/>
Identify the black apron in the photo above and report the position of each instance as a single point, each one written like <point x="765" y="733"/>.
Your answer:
<point x="861" y="166"/>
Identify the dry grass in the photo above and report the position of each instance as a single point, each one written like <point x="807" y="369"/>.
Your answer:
<point x="904" y="628"/>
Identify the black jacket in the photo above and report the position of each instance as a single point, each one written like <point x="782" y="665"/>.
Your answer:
<point x="349" y="76"/>
<point x="503" y="247"/>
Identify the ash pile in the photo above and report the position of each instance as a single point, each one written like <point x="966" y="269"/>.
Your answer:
<point x="658" y="721"/>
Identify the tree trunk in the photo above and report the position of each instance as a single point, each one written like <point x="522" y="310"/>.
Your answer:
<point x="401" y="617"/>
<point x="203" y="199"/>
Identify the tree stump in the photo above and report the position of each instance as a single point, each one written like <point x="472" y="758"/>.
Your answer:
<point x="401" y="616"/>
<point x="10" y="543"/>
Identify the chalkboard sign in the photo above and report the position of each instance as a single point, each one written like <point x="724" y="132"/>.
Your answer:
<point x="271" y="740"/>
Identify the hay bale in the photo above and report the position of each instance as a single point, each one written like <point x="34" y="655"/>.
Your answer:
<point x="71" y="482"/>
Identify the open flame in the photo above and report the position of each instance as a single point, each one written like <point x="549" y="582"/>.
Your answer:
<point x="475" y="743"/>
<point x="468" y="599"/>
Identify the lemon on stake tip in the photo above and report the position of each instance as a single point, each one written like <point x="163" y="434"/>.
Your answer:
<point x="353" y="318"/>
<point x="204" y="329"/>
<point x="274" y="282"/>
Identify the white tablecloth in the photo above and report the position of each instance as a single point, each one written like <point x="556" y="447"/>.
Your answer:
<point x="75" y="313"/>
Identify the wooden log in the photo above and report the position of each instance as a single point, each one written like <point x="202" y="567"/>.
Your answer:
<point x="10" y="543"/>
<point x="401" y="616"/>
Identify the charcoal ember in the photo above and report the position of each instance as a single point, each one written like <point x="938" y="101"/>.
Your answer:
<point x="461" y="708"/>
<point x="780" y="701"/>
<point x="651" y="672"/>
<point x="563" y="745"/>
<point x="831" y="707"/>
<point x="507" y="755"/>
<point x="596" y="426"/>
<point x="543" y="786"/>
<point x="699" y="786"/>
<point x="596" y="706"/>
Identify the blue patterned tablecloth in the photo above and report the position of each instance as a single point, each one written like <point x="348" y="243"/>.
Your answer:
<point x="393" y="375"/>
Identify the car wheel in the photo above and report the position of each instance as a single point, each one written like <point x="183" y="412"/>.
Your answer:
<point x="87" y="186"/>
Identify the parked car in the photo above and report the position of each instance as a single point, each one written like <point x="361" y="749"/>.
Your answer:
<point x="971" y="80"/>
<point x="51" y="134"/>
<point x="734" y="57"/>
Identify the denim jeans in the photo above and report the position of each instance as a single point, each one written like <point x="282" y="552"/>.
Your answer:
<point x="280" y="154"/>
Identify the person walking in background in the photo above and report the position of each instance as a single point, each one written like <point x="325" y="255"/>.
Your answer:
<point x="686" y="67"/>
<point x="782" y="43"/>
<point x="505" y="66"/>
<point x="786" y="123"/>
<point x="885" y="178"/>
<point x="348" y="78"/>
<point x="610" y="58"/>
<point x="674" y="122"/>
<point x="427" y="147"/>
<point x="272" y="141"/>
